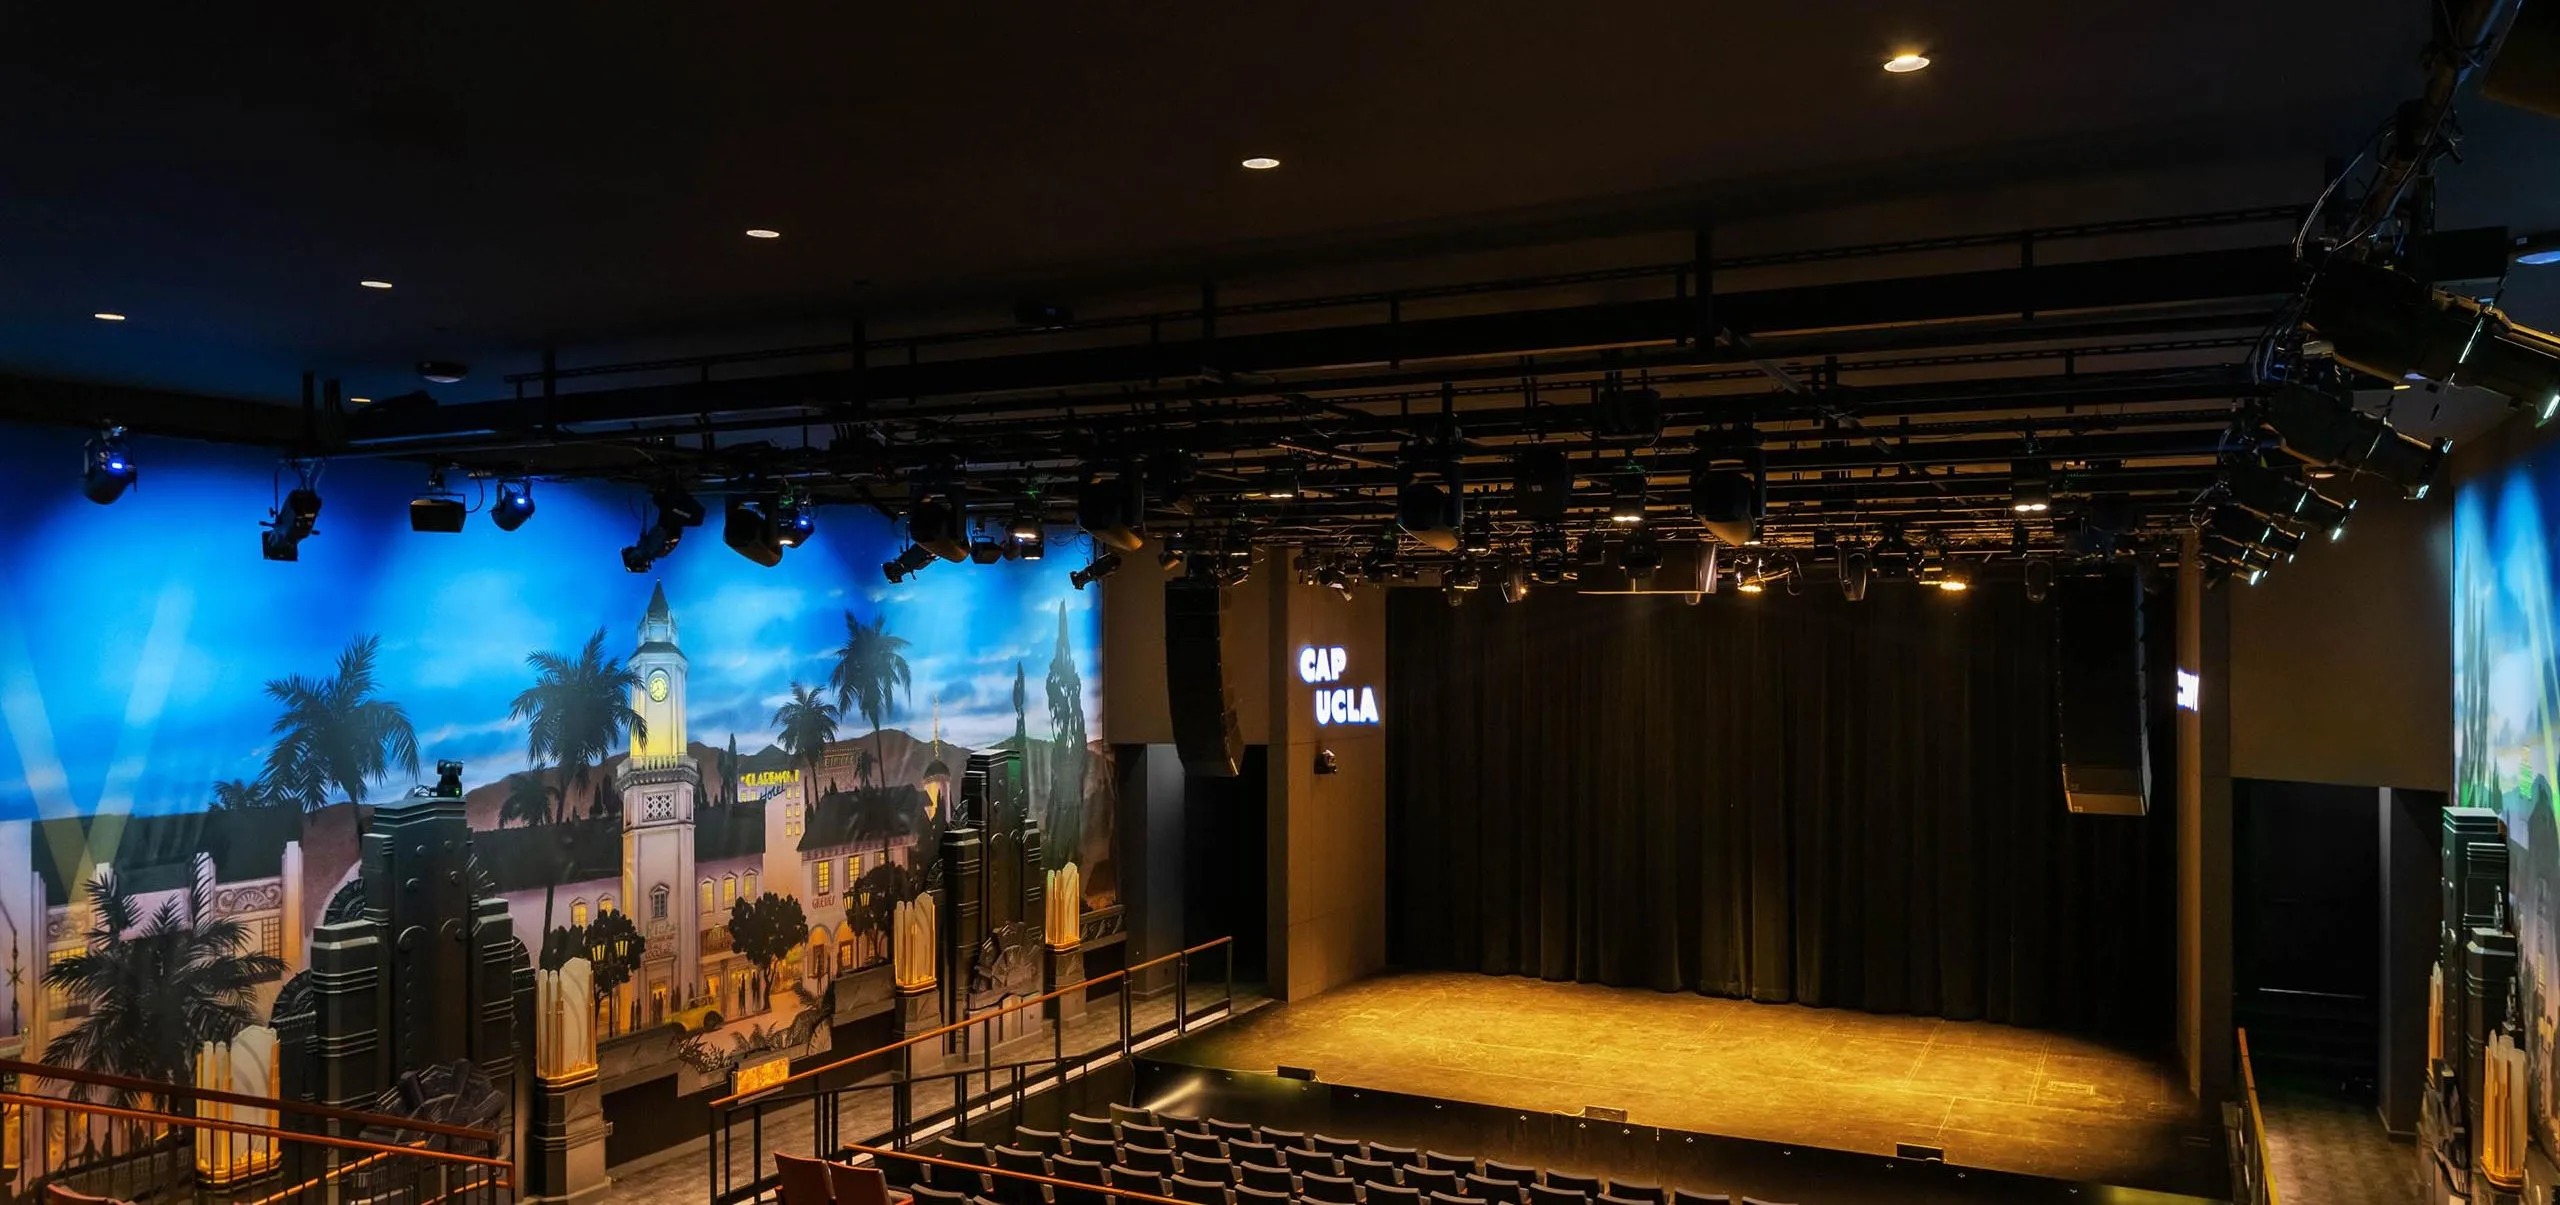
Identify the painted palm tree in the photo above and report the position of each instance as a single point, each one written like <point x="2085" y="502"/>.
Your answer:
<point x="871" y="671"/>
<point x="863" y="764"/>
<point x="155" y="988"/>
<point x="335" y="735"/>
<point x="530" y="800"/>
<point x="580" y="705"/>
<point x="807" y="723"/>
<point x="236" y="795"/>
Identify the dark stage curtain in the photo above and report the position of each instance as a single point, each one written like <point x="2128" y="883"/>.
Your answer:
<point x="1779" y="798"/>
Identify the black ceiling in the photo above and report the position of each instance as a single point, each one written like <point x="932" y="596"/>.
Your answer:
<point x="534" y="172"/>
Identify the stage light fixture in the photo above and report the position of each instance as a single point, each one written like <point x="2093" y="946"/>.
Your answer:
<point x="2276" y="496"/>
<point x="2397" y="327"/>
<point x="514" y="504"/>
<point x="2319" y="427"/>
<point x="1111" y="506"/>
<point x="2242" y="527"/>
<point x="797" y="522"/>
<point x="1430" y="513"/>
<point x="750" y="530"/>
<point x="2038" y="576"/>
<point x="1542" y="484"/>
<point x="295" y="520"/>
<point x="1103" y="566"/>
<point x="1956" y="577"/>
<point x="437" y="509"/>
<point x="1547" y="556"/>
<point x="1627" y="495"/>
<point x="910" y="560"/>
<point x="937" y="527"/>
<point x="1477" y="540"/>
<point x="1728" y="486"/>
<point x="1283" y="484"/>
<point x="106" y="467"/>
<point x="2031" y="486"/>
<point x="1515" y="582"/>
<point x="1857" y="571"/>
<point x="1639" y="557"/>
<point x="984" y="546"/>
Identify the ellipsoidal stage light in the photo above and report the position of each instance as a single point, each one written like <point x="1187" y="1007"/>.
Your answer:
<point x="796" y="523"/>
<point x="437" y="509"/>
<point x="2322" y="428"/>
<point x="292" y="522"/>
<point x="2031" y="486"/>
<point x="1111" y="508"/>
<point x="1627" y="489"/>
<point x="1728" y="487"/>
<point x="750" y="530"/>
<point x="1431" y="513"/>
<point x="2242" y="527"/>
<point x="106" y="467"/>
<point x="2274" y="495"/>
<point x="514" y="504"/>
<point x="1103" y="566"/>
<point x="906" y="564"/>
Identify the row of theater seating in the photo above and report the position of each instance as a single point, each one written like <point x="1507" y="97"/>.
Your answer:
<point x="1210" y="1161"/>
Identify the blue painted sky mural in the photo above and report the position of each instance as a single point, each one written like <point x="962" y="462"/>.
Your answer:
<point x="136" y="639"/>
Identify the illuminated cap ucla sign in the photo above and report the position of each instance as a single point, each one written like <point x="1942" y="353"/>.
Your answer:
<point x="1321" y="667"/>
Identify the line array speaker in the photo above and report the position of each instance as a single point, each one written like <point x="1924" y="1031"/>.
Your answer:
<point x="2099" y="693"/>
<point x="1195" y="680"/>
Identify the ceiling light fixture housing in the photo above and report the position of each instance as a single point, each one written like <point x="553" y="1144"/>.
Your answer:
<point x="1906" y="63"/>
<point x="763" y="232"/>
<point x="1261" y="163"/>
<point x="375" y="284"/>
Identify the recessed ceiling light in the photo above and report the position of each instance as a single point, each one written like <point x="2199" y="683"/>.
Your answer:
<point x="1261" y="163"/>
<point x="359" y="401"/>
<point x="1905" y="64"/>
<point x="761" y="232"/>
<point x="375" y="284"/>
<point x="104" y="316"/>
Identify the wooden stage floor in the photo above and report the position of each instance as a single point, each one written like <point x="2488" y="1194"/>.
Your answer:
<point x="1991" y="1096"/>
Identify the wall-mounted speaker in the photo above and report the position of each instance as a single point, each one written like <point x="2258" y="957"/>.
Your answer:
<point x="2102" y="714"/>
<point x="1195" y="680"/>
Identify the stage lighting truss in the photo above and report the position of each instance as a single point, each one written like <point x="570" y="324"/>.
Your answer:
<point x="2275" y="496"/>
<point x="2398" y="328"/>
<point x="106" y="466"/>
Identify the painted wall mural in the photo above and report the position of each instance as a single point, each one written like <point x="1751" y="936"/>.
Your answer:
<point x="710" y="779"/>
<point x="2506" y="665"/>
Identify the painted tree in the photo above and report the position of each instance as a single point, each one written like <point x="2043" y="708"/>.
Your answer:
<point x="236" y="795"/>
<point x="154" y="989"/>
<point x="580" y="706"/>
<point x="614" y="947"/>
<point x="334" y="735"/>
<point x="764" y="929"/>
<point x="1065" y="820"/>
<point x="806" y="723"/>
<point x="870" y="673"/>
<point x="529" y="800"/>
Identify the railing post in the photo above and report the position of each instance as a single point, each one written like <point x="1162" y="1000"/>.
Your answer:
<point x="1182" y="993"/>
<point x="711" y="1147"/>
<point x="1125" y="1019"/>
<point x="755" y="1141"/>
<point x="1229" y="952"/>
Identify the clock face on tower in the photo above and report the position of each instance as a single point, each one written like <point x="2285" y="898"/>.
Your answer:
<point x="657" y="686"/>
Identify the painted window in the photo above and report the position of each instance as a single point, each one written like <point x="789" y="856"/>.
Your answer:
<point x="826" y="875"/>
<point x="710" y="896"/>
<point x="578" y="913"/>
<point x="750" y="889"/>
<point x="658" y="902"/>
<point x="728" y="891"/>
<point x="604" y="904"/>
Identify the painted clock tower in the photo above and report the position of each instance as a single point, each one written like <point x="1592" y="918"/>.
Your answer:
<point x="659" y="783"/>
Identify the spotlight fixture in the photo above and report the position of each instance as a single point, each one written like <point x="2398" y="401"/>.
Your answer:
<point x="2038" y="576"/>
<point x="1627" y="495"/>
<point x="1112" y="506"/>
<point x="678" y="509"/>
<point x="2031" y="486"/>
<point x="1260" y="163"/>
<point x="1283" y="484"/>
<point x="1547" y="556"/>
<point x="514" y="504"/>
<point x="1542" y="484"/>
<point x="936" y="526"/>
<point x="1956" y="578"/>
<point x="1171" y="556"/>
<point x="1430" y="513"/>
<point x="752" y="531"/>
<point x="1639" y="557"/>
<point x="661" y="537"/>
<point x="1103" y="566"/>
<point x="1729" y="486"/>
<point x="2274" y="495"/>
<point x="985" y="545"/>
<point x="1477" y="540"/>
<point x="2399" y="328"/>
<point x="909" y="561"/>
<point x="797" y="521"/>
<point x="296" y="519"/>
<point x="1857" y="570"/>
<point x="1745" y="582"/>
<point x="1025" y="535"/>
<point x="2242" y="527"/>
<point x="1515" y="582"/>
<point x="1906" y="63"/>
<point x="2319" y="427"/>
<point x="437" y="509"/>
<point x="106" y="467"/>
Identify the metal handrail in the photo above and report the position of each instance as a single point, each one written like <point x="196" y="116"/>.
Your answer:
<point x="1125" y="1194"/>
<point x="2266" y="1183"/>
<point x="100" y="1079"/>
<point x="179" y="1121"/>
<point x="957" y="1026"/>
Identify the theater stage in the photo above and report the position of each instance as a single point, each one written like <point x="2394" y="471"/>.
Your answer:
<point x="1991" y="1096"/>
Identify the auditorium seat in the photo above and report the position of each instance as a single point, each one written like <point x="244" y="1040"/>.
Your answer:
<point x="1261" y="1153"/>
<point x="1129" y="1179"/>
<point x="1008" y="1190"/>
<point x="1101" y="1150"/>
<point x="1331" y="1190"/>
<point x="1549" y="1194"/>
<point x="1497" y="1192"/>
<point x="926" y="1194"/>
<point x="961" y="1150"/>
<point x="1139" y="1133"/>
<point x="1199" y="1192"/>
<point x="1268" y="1179"/>
<point x="1430" y="1180"/>
<point x="1205" y="1167"/>
<point x="1281" y="1138"/>
<point x="851" y="1185"/>
<point x="1255" y="1196"/>
<point x="1637" y="1191"/>
<point x="1401" y="1156"/>
<point x="804" y="1181"/>
<point x="1232" y="1131"/>
<point x="1146" y="1159"/>
<point x="1515" y="1173"/>
<point x="1339" y="1148"/>
<point x="1126" y="1114"/>
<point x="1442" y="1198"/>
<point x="1682" y="1196"/>
<point x="1461" y="1164"/>
<point x="1369" y="1171"/>
<point x="1081" y="1171"/>
<point x="1606" y="1199"/>
<point x="1302" y="1161"/>
<point x="1586" y="1185"/>
<point x="1389" y="1194"/>
<point x="1201" y="1143"/>
<point x="1047" y="1142"/>
<point x="1092" y="1127"/>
